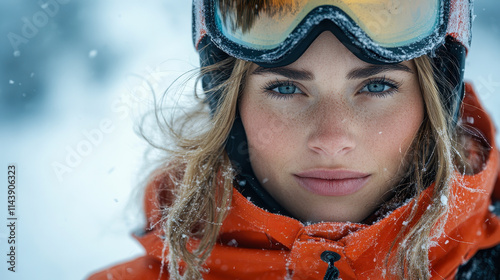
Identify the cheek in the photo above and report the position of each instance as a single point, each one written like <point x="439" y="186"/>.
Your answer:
<point x="266" y="124"/>
<point x="395" y="133"/>
<point x="266" y="132"/>
<point x="271" y="136"/>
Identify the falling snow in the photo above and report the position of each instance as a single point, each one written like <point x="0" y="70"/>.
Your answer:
<point x="444" y="200"/>
<point x="92" y="53"/>
<point x="491" y="208"/>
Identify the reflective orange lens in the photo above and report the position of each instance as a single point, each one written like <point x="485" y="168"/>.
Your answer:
<point x="389" y="23"/>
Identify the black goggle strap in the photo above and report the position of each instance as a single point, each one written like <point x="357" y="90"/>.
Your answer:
<point x="449" y="60"/>
<point x="210" y="55"/>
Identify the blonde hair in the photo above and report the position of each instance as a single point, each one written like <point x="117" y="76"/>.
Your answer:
<point x="203" y="190"/>
<point x="432" y="162"/>
<point x="204" y="177"/>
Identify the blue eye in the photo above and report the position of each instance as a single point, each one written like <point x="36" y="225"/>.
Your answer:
<point x="286" y="89"/>
<point x="376" y="87"/>
<point x="282" y="89"/>
<point x="379" y="88"/>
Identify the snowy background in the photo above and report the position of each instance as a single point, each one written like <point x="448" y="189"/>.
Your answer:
<point x="73" y="89"/>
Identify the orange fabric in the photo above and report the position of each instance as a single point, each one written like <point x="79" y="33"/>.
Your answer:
<point x="255" y="244"/>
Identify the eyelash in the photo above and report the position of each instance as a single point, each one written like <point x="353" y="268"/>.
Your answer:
<point x="270" y="87"/>
<point x="394" y="86"/>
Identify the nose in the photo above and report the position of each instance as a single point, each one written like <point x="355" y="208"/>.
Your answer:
<point x="332" y="129"/>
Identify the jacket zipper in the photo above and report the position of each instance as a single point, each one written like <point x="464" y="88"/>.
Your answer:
<point x="332" y="273"/>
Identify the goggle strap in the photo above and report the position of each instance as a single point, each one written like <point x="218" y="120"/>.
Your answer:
<point x="449" y="60"/>
<point x="460" y="22"/>
<point x="198" y="21"/>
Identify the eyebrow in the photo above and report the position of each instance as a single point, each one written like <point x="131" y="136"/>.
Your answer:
<point x="372" y="70"/>
<point x="289" y="73"/>
<point x="358" y="73"/>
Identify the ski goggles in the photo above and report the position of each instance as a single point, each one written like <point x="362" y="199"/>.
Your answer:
<point x="279" y="31"/>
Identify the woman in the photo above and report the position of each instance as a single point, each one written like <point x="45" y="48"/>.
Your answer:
<point x="339" y="144"/>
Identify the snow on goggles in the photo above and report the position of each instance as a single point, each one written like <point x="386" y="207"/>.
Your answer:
<point x="377" y="31"/>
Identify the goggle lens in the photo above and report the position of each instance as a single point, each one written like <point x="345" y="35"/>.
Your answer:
<point x="389" y="23"/>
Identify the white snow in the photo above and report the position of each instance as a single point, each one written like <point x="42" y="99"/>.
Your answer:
<point x="92" y="53"/>
<point x="444" y="200"/>
<point x="233" y="243"/>
<point x="491" y="208"/>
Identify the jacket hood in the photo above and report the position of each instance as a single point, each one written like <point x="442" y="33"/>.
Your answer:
<point x="273" y="246"/>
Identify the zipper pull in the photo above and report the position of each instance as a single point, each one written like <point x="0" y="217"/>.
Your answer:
<point x="330" y="258"/>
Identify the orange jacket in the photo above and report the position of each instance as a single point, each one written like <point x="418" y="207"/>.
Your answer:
<point x="255" y="244"/>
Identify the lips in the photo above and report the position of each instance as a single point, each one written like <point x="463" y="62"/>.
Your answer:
<point x="331" y="182"/>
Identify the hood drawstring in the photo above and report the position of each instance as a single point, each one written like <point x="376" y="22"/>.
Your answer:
<point x="332" y="273"/>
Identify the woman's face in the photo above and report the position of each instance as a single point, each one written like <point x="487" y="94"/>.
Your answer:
<point x="328" y="133"/>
